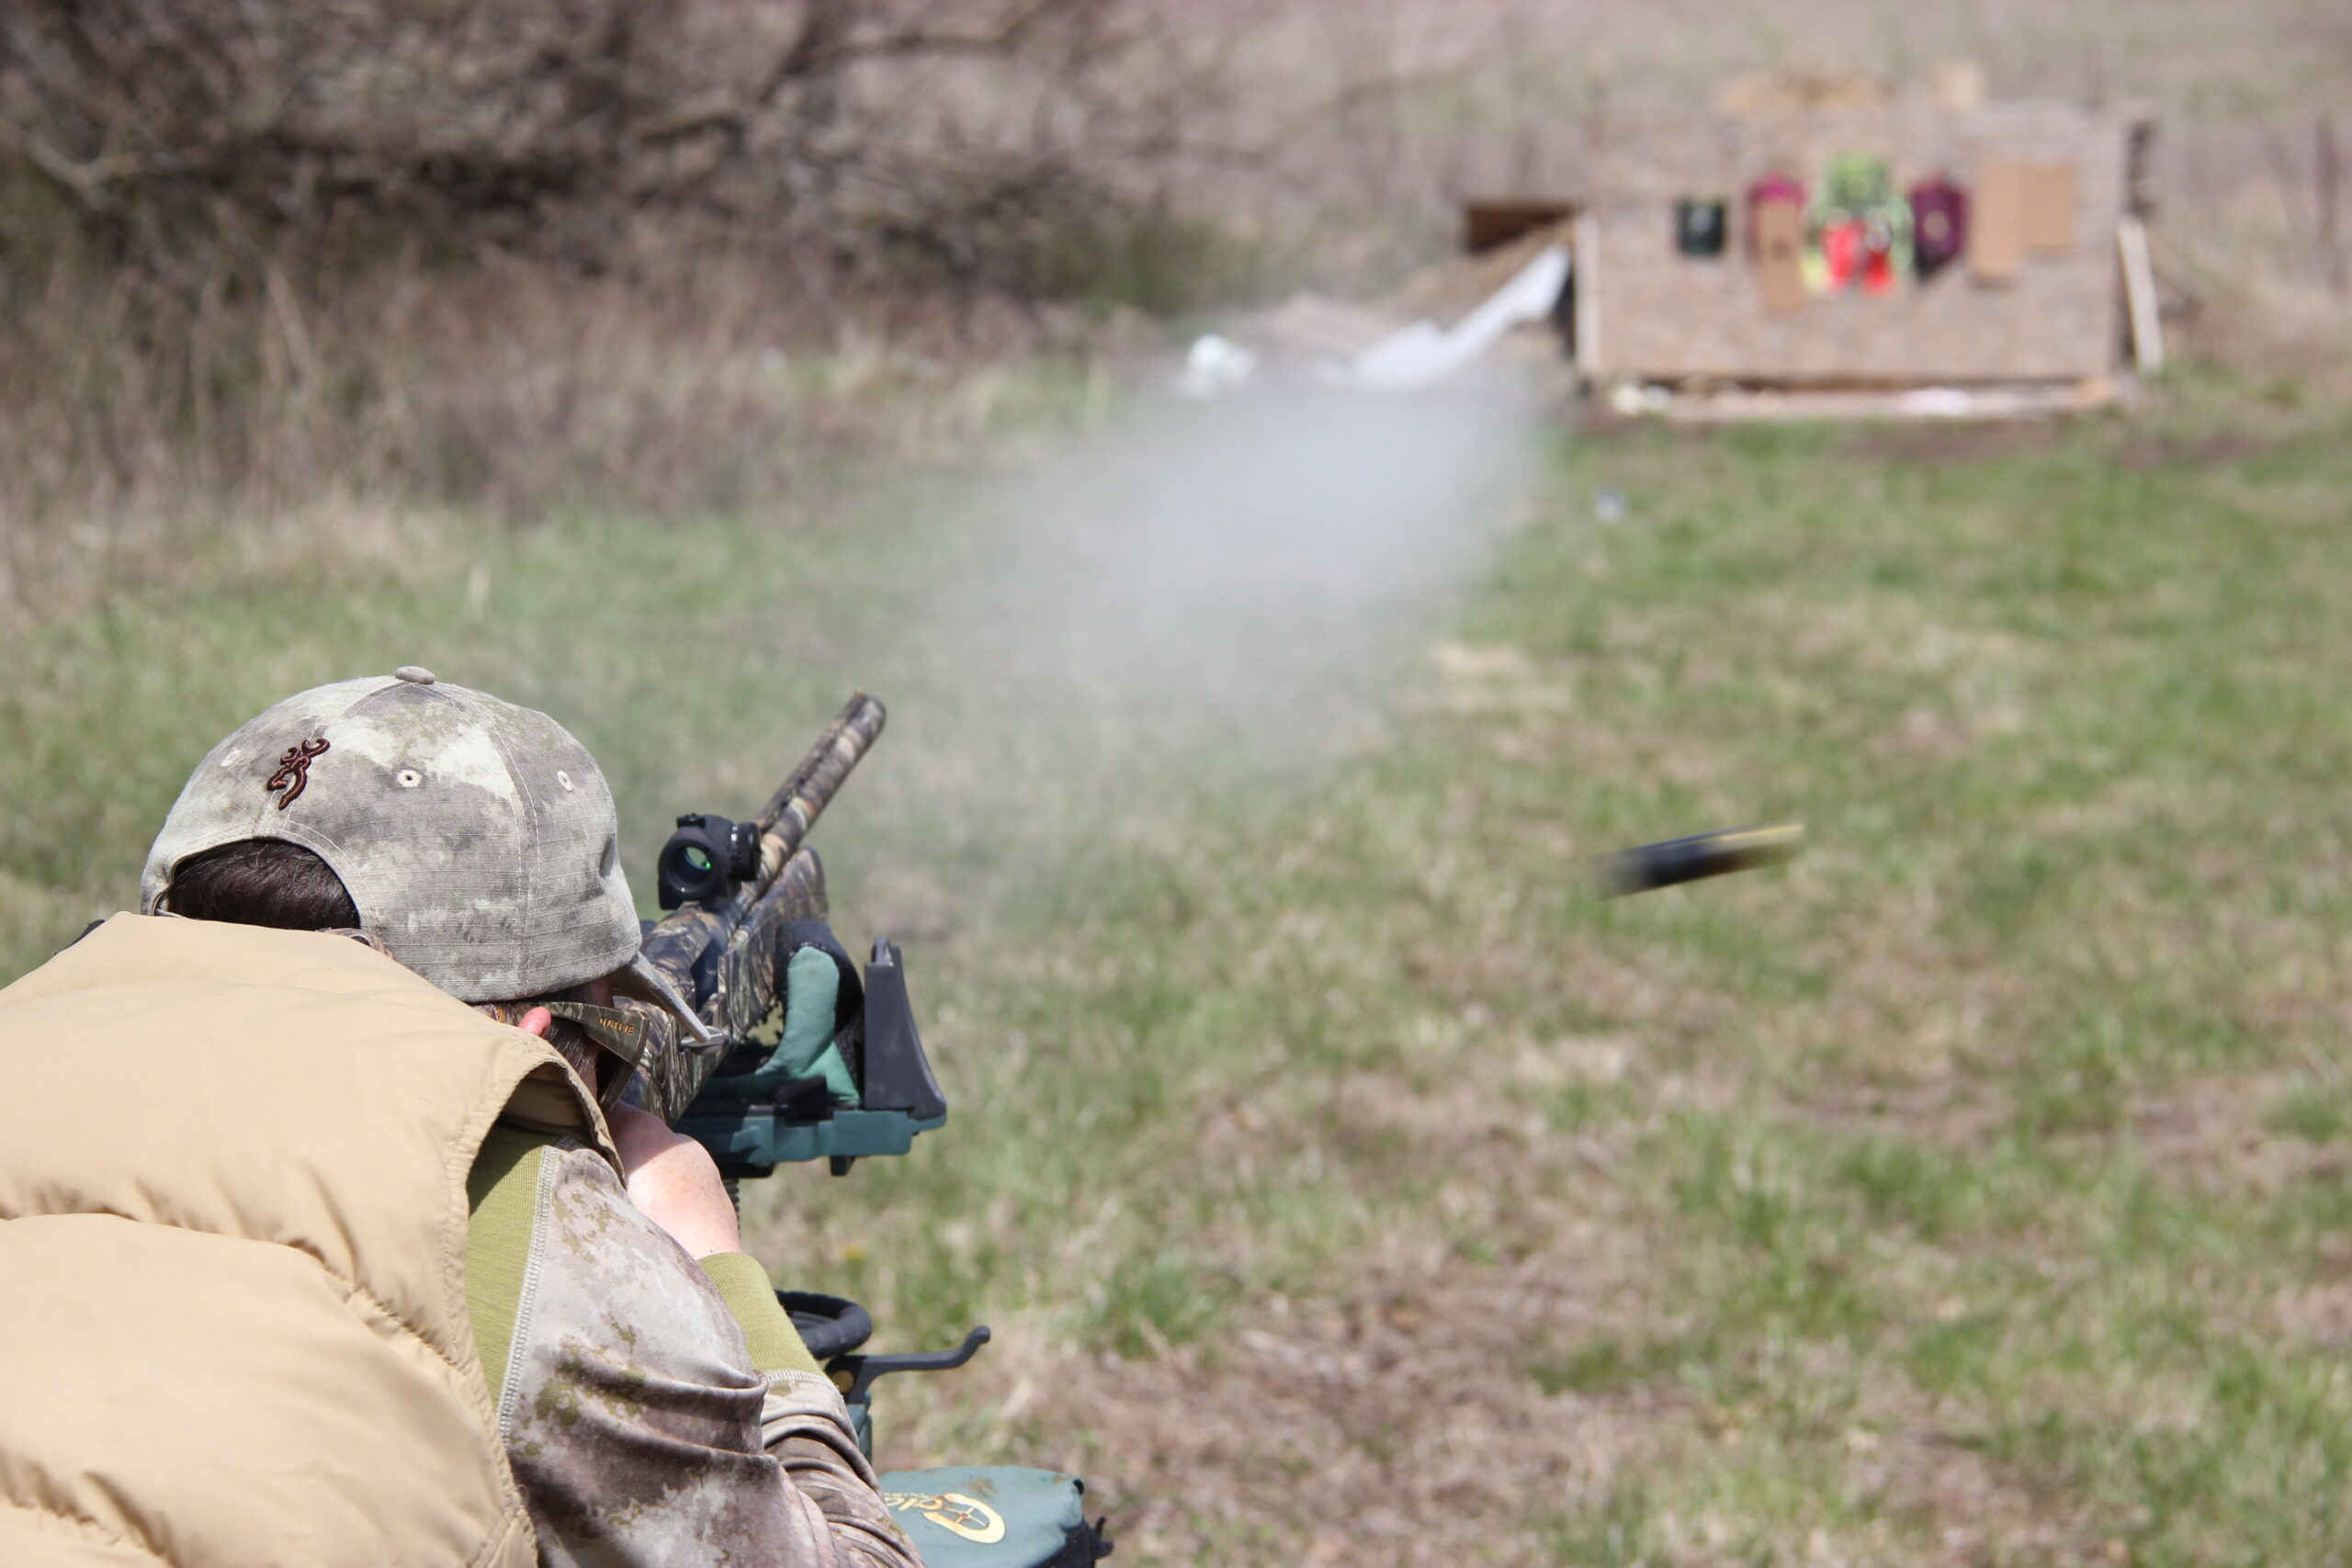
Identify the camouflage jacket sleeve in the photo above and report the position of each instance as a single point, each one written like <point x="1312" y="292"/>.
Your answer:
<point x="637" y="1428"/>
<point x="805" y="1426"/>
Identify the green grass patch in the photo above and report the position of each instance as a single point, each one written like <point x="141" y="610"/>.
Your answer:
<point x="1965" y="1180"/>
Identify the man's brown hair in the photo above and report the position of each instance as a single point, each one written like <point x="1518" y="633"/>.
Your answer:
<point x="263" y="882"/>
<point x="269" y="882"/>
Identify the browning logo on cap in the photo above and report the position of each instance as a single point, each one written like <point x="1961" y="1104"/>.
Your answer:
<point x="293" y="774"/>
<point x="477" y="839"/>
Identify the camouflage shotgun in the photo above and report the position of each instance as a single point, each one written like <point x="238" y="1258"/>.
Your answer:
<point x="738" y="893"/>
<point x="747" y="908"/>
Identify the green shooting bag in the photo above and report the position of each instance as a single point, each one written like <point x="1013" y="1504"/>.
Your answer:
<point x="995" y="1516"/>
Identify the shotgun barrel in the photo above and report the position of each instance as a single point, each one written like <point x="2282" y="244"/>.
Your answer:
<point x="735" y="885"/>
<point x="793" y="809"/>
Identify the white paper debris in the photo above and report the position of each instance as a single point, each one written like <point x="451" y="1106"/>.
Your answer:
<point x="1425" y="354"/>
<point x="1214" y="364"/>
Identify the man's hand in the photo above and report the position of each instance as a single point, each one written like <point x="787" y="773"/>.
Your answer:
<point x="671" y="1179"/>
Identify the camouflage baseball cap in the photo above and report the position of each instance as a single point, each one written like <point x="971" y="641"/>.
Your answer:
<point x="477" y="839"/>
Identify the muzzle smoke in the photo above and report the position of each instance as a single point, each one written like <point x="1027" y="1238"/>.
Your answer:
<point x="1208" y="595"/>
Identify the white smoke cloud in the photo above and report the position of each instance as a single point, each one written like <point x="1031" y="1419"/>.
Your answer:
<point x="1203" y="596"/>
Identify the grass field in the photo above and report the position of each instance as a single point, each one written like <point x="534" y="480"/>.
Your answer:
<point x="1346" y="1182"/>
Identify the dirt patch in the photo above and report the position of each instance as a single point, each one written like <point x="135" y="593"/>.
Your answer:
<point x="2316" y="1315"/>
<point x="1949" y="1112"/>
<point x="2205" y="452"/>
<point x="1433" y="1413"/>
<point x="1975" y="1510"/>
<point x="1412" y="1410"/>
<point x="1942" y="445"/>
<point x="2212" y="1136"/>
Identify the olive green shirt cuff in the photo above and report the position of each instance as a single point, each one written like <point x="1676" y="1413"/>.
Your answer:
<point x="743" y="1285"/>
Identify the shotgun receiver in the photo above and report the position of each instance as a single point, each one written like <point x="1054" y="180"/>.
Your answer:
<point x="747" y="909"/>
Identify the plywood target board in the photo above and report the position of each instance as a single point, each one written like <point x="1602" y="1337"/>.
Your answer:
<point x="2036" y="296"/>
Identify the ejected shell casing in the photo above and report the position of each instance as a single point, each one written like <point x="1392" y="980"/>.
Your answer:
<point x="1645" y="866"/>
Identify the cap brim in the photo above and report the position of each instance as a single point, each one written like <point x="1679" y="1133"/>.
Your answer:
<point x="639" y="978"/>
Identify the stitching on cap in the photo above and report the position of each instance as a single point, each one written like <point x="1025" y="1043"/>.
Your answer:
<point x="531" y="839"/>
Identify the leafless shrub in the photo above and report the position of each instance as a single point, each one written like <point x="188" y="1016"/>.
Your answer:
<point x="514" y="253"/>
<point x="552" y="124"/>
<point x="130" y="416"/>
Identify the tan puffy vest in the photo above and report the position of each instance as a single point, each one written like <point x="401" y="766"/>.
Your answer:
<point x="232" y="1230"/>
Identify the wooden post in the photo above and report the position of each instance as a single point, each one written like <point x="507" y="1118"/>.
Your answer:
<point x="1584" y="258"/>
<point x="2140" y="296"/>
<point x="2329" y="179"/>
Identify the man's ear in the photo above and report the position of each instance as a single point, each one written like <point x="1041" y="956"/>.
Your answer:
<point x="530" y="1020"/>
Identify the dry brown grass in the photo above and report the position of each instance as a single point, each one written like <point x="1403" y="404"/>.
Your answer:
<point x="272" y="261"/>
<point x="144" y="436"/>
<point x="701" y="363"/>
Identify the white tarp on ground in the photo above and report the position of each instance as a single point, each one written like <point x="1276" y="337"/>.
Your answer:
<point x="1367" y="348"/>
<point x="1425" y="353"/>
